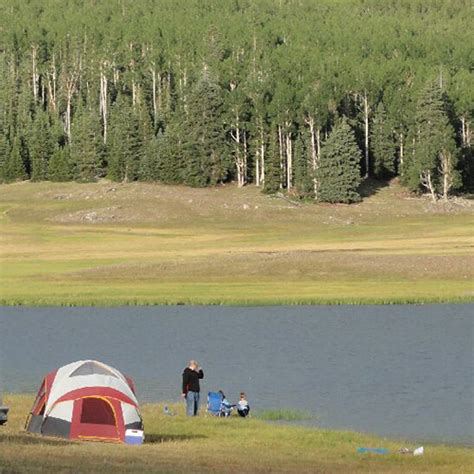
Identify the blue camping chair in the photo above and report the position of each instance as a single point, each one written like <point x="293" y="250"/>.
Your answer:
<point x="216" y="405"/>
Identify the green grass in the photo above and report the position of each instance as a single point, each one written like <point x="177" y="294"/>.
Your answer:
<point x="131" y="244"/>
<point x="178" y="444"/>
<point x="283" y="415"/>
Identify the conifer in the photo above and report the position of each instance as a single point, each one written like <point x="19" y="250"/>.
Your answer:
<point x="40" y="146"/>
<point x="205" y="151"/>
<point x="433" y="161"/>
<point x="382" y="144"/>
<point x="86" y="149"/>
<point x="339" y="168"/>
<point x="272" y="171"/>
<point x="15" y="169"/>
<point x="59" y="165"/>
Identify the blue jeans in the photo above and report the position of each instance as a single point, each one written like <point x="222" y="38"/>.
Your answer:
<point x="192" y="403"/>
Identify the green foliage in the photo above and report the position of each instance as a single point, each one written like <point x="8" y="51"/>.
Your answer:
<point x="338" y="173"/>
<point x="15" y="167"/>
<point x="4" y="155"/>
<point x="382" y="144"/>
<point x="171" y="161"/>
<point x="467" y="166"/>
<point x="150" y="160"/>
<point x="40" y="146"/>
<point x="205" y="151"/>
<point x="272" y="165"/>
<point x="59" y="166"/>
<point x="433" y="141"/>
<point x="86" y="148"/>
<point x="125" y="148"/>
<point x="303" y="174"/>
<point x="267" y="65"/>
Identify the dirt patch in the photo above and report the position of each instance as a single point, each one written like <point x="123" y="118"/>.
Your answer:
<point x="106" y="214"/>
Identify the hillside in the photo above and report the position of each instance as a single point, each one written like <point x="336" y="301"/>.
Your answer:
<point x="107" y="243"/>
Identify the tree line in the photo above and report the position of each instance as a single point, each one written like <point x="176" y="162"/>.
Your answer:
<point x="304" y="97"/>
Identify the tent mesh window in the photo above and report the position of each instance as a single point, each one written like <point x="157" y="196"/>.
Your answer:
<point x="97" y="412"/>
<point x="91" y="368"/>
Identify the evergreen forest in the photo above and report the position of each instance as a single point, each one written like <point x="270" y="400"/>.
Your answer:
<point x="302" y="97"/>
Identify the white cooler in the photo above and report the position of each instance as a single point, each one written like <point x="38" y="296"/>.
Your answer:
<point x="134" y="436"/>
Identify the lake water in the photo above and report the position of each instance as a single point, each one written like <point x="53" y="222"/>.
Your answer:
<point x="402" y="371"/>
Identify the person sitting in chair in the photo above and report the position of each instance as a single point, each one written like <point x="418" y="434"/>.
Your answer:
<point x="243" y="407"/>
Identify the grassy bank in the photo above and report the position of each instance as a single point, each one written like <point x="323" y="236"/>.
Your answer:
<point x="116" y="244"/>
<point x="177" y="444"/>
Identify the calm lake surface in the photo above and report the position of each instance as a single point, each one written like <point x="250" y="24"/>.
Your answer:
<point x="402" y="371"/>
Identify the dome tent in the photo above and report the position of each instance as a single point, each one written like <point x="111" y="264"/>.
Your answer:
<point x="85" y="400"/>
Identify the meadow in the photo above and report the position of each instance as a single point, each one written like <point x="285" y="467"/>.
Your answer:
<point x="125" y="244"/>
<point x="205" y="444"/>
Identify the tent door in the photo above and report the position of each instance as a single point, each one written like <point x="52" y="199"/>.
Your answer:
<point x="96" y="418"/>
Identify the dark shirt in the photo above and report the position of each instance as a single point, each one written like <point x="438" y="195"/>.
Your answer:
<point x="191" y="380"/>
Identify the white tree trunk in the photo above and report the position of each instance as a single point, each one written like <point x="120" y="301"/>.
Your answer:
<point x="289" y="160"/>
<point x="280" y="148"/>
<point x="446" y="169"/>
<point x="71" y="83"/>
<point x="103" y="99"/>
<point x="239" y="158"/>
<point x="366" y="144"/>
<point x="116" y="75"/>
<point x="315" y="144"/>
<point x="245" y="158"/>
<point x="159" y="93"/>
<point x="260" y="156"/>
<point x="401" y="152"/>
<point x="153" y="91"/>
<point x="465" y="132"/>
<point x="52" y="85"/>
<point x="427" y="182"/>
<point x="34" y="73"/>
<point x="68" y="118"/>
<point x="134" y="93"/>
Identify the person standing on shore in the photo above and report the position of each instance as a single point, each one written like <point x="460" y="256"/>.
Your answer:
<point x="191" y="376"/>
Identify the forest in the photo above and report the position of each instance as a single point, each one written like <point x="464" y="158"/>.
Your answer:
<point x="302" y="97"/>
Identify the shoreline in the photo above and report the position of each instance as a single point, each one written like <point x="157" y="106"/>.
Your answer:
<point x="268" y="448"/>
<point x="294" y="423"/>
<point x="26" y="303"/>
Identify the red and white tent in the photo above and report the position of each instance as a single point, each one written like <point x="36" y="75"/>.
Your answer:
<point x="85" y="400"/>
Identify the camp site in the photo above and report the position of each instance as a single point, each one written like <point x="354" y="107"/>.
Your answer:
<point x="236" y="236"/>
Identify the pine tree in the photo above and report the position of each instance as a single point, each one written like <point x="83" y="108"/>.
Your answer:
<point x="150" y="161"/>
<point x="303" y="179"/>
<point x="204" y="135"/>
<point x="125" y="147"/>
<point x="59" y="166"/>
<point x="15" y="169"/>
<point x="171" y="165"/>
<point x="4" y="155"/>
<point x="272" y="181"/>
<point x="40" y="146"/>
<point x="86" y="148"/>
<point x="434" y="156"/>
<point x="382" y="144"/>
<point x="339" y="168"/>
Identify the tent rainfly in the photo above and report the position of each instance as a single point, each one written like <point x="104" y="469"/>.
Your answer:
<point x="85" y="400"/>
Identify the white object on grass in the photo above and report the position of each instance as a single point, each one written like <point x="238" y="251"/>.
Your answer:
<point x="134" y="436"/>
